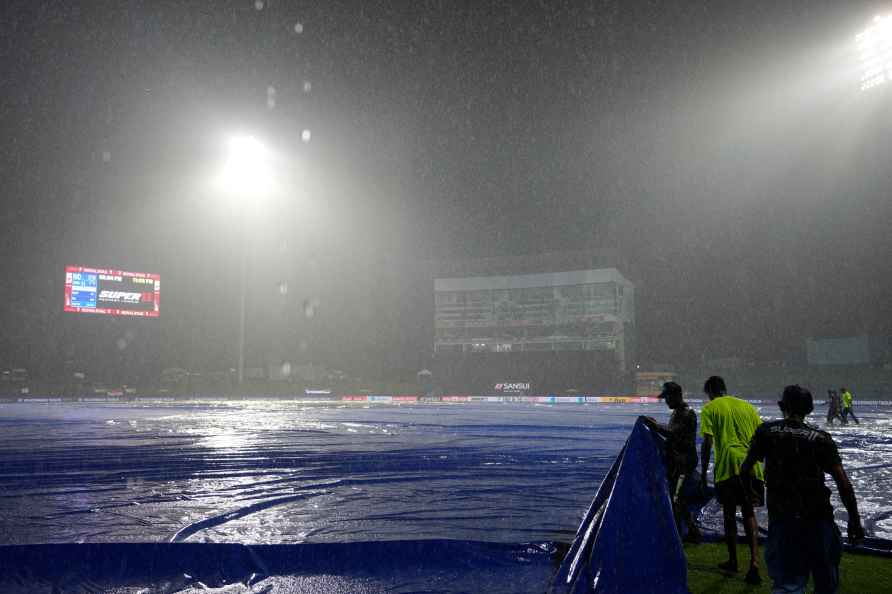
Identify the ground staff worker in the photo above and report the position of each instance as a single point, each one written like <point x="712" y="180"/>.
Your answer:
<point x="834" y="407"/>
<point x="729" y="423"/>
<point x="802" y="537"/>
<point x="847" y="411"/>
<point x="681" y="457"/>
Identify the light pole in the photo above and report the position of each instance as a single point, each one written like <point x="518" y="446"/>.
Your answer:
<point x="246" y="177"/>
<point x="241" y="315"/>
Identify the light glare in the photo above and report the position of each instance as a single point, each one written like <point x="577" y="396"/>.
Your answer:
<point x="875" y="53"/>
<point x="247" y="170"/>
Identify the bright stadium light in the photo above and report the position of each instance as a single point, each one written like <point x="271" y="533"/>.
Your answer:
<point x="247" y="170"/>
<point x="246" y="176"/>
<point x="875" y="53"/>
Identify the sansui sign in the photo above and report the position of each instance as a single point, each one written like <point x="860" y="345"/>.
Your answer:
<point x="512" y="387"/>
<point x="112" y="292"/>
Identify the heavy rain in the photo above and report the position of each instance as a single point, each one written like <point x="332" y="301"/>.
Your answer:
<point x="392" y="297"/>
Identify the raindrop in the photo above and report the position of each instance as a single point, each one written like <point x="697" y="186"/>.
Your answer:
<point x="122" y="344"/>
<point x="258" y="4"/>
<point x="308" y="86"/>
<point x="283" y="288"/>
<point x="286" y="369"/>
<point x="306" y="135"/>
<point x="302" y="345"/>
<point x="298" y="28"/>
<point x="271" y="97"/>
<point x="106" y="156"/>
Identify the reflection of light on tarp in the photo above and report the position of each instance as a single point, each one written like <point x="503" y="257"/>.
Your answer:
<point x="225" y="441"/>
<point x="370" y="567"/>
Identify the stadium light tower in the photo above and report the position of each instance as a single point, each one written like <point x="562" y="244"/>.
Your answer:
<point x="875" y="52"/>
<point x="247" y="176"/>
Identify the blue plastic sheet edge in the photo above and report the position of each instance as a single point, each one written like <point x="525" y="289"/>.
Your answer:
<point x="627" y="541"/>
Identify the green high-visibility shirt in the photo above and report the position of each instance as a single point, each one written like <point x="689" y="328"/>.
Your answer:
<point x="847" y="399"/>
<point x="731" y="422"/>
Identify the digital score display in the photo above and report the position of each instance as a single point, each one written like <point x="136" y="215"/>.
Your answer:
<point x="112" y="292"/>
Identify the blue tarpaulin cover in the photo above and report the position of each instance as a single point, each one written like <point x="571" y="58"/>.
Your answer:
<point x="627" y="541"/>
<point x="443" y="566"/>
<point x="165" y="498"/>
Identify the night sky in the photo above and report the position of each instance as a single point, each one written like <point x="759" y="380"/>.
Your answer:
<point x="722" y="147"/>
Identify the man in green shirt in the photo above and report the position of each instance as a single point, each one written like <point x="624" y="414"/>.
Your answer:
<point x="847" y="411"/>
<point x="729" y="423"/>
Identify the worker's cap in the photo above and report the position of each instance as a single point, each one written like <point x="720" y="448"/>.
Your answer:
<point x="796" y="400"/>
<point x="670" y="389"/>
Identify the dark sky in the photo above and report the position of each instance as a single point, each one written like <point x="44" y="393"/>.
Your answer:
<point x="722" y="146"/>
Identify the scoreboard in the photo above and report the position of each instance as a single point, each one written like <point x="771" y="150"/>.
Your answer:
<point x="112" y="292"/>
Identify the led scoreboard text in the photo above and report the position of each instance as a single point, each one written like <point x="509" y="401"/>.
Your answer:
<point x="112" y="292"/>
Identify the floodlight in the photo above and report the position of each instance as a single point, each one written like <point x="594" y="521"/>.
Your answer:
<point x="875" y="53"/>
<point x="247" y="170"/>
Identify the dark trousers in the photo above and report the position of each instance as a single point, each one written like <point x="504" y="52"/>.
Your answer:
<point x="797" y="548"/>
<point x="846" y="412"/>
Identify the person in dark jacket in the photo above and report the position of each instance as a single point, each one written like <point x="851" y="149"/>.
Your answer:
<point x="834" y="407"/>
<point x="802" y="536"/>
<point x="681" y="457"/>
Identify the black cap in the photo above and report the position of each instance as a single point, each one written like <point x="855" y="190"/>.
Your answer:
<point x="670" y="389"/>
<point x="796" y="400"/>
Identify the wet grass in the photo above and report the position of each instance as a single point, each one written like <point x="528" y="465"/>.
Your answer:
<point x="860" y="574"/>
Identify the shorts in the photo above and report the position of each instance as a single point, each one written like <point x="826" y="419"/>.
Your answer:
<point x="796" y="548"/>
<point x="733" y="492"/>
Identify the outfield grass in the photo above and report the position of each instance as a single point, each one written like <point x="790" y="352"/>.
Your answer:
<point x="860" y="574"/>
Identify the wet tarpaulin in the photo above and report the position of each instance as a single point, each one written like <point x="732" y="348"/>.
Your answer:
<point x="321" y="568"/>
<point x="627" y="541"/>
